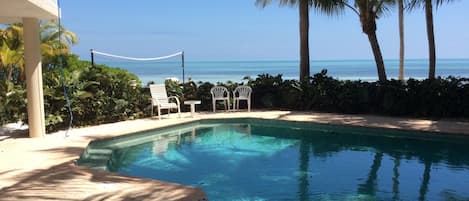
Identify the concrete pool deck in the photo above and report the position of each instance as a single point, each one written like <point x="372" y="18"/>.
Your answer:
<point x="43" y="169"/>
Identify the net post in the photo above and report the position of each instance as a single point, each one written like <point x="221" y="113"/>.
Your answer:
<point x="92" y="58"/>
<point x="183" y="73"/>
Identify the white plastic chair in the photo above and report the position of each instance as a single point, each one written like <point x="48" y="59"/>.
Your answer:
<point x="220" y="93"/>
<point x="160" y="99"/>
<point x="244" y="93"/>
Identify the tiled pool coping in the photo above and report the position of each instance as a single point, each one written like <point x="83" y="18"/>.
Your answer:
<point x="39" y="169"/>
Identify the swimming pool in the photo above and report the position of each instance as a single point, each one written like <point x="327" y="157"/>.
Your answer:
<point x="254" y="159"/>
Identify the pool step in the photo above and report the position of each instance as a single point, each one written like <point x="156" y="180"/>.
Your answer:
<point x="95" y="158"/>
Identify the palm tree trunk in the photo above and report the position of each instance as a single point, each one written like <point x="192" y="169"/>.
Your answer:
<point x="425" y="180"/>
<point x="431" y="39"/>
<point x="304" y="39"/>
<point x="303" y="181"/>
<point x="395" y="178"/>
<point x="401" y="39"/>
<point x="9" y="72"/>
<point x="378" y="56"/>
<point x="371" y="184"/>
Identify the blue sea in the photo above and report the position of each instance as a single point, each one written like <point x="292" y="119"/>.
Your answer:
<point x="222" y="71"/>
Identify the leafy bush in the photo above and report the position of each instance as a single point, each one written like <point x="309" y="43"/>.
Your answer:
<point x="441" y="97"/>
<point x="102" y="94"/>
<point x="97" y="95"/>
<point x="12" y="102"/>
<point x="266" y="90"/>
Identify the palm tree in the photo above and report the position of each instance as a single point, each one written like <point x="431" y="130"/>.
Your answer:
<point x="425" y="180"/>
<point x="9" y="60"/>
<point x="11" y="49"/>
<point x="327" y="6"/>
<point x="52" y="44"/>
<point x="371" y="184"/>
<point x="428" y="5"/>
<point x="303" y="182"/>
<point x="369" y="11"/>
<point x="400" y="5"/>
<point x="395" y="178"/>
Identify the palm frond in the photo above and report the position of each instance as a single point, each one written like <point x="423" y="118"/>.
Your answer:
<point x="328" y="7"/>
<point x="413" y="4"/>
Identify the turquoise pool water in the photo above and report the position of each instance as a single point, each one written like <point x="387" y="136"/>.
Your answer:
<point x="250" y="159"/>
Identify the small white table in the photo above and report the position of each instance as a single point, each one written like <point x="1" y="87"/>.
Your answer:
<point x="192" y="103"/>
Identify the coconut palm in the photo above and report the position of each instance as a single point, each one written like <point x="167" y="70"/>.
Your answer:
<point x="369" y="11"/>
<point x="371" y="184"/>
<point x="428" y="6"/>
<point x="11" y="59"/>
<point x="12" y="36"/>
<point x="11" y="50"/>
<point x="400" y="5"/>
<point x="50" y="32"/>
<point x="52" y="44"/>
<point x="326" y="6"/>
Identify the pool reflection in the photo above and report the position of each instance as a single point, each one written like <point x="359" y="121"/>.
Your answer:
<point x="252" y="161"/>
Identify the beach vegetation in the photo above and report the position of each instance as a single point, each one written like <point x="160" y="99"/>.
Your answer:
<point x="51" y="45"/>
<point x="428" y="7"/>
<point x="368" y="12"/>
<point x="103" y="94"/>
<point x="430" y="98"/>
<point x="401" y="7"/>
<point x="11" y="52"/>
<point x="324" y="6"/>
<point x="98" y="94"/>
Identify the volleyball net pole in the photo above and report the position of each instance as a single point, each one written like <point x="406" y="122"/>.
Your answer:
<point x="92" y="58"/>
<point x="183" y="73"/>
<point x="141" y="59"/>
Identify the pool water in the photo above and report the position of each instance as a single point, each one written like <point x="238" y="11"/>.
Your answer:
<point x="251" y="159"/>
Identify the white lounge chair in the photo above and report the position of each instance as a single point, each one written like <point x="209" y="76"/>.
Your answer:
<point x="243" y="93"/>
<point x="160" y="99"/>
<point x="220" y="93"/>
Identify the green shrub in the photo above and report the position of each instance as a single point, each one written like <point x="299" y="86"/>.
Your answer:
<point x="97" y="95"/>
<point x="203" y="94"/>
<point x="441" y="97"/>
<point x="12" y="103"/>
<point x="266" y="91"/>
<point x="102" y="94"/>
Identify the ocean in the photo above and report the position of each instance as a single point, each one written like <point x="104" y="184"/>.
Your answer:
<point x="222" y="71"/>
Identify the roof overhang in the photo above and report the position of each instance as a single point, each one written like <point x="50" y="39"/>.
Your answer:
<point x="15" y="10"/>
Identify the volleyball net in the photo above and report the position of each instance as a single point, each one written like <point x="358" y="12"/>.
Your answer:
<point x="149" y="69"/>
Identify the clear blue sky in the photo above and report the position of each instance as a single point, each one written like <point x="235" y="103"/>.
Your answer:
<point x="238" y="30"/>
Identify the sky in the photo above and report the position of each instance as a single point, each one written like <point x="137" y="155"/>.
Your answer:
<point x="222" y="30"/>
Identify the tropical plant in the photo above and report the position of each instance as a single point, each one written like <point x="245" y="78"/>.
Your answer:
<point x="11" y="60"/>
<point x="12" y="102"/>
<point x="12" y="48"/>
<point x="400" y="6"/>
<point x="428" y="6"/>
<point x="326" y="6"/>
<point x="369" y="11"/>
<point x="54" y="43"/>
<point x="11" y="51"/>
<point x="97" y="94"/>
<point x="266" y="90"/>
